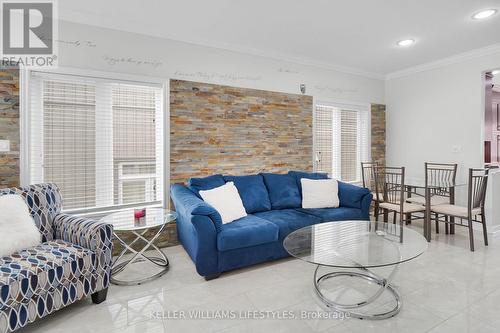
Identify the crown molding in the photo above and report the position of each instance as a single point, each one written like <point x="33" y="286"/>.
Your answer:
<point x="473" y="54"/>
<point x="306" y="61"/>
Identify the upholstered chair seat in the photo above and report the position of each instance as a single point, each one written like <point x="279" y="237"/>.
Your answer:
<point x="435" y="200"/>
<point x="454" y="210"/>
<point x="407" y="207"/>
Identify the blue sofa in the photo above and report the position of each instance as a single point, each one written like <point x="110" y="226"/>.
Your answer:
<point x="273" y="203"/>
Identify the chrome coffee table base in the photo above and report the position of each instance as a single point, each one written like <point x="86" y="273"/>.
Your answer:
<point x="356" y="309"/>
<point x="160" y="260"/>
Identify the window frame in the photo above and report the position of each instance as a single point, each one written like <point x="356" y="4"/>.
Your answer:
<point x="352" y="106"/>
<point x="25" y="117"/>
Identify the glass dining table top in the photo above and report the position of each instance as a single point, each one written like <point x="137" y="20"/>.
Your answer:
<point x="125" y="220"/>
<point x="354" y="244"/>
<point x="433" y="183"/>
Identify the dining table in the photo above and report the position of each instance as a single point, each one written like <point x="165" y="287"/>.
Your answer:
<point x="435" y="186"/>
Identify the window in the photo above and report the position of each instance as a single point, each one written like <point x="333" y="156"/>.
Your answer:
<point x="341" y="140"/>
<point x="100" y="141"/>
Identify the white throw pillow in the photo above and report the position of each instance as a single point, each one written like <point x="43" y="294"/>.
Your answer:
<point x="17" y="227"/>
<point x="320" y="193"/>
<point x="226" y="200"/>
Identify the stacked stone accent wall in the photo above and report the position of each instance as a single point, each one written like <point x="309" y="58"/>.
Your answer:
<point x="378" y="133"/>
<point x="229" y="130"/>
<point x="214" y="129"/>
<point x="9" y="127"/>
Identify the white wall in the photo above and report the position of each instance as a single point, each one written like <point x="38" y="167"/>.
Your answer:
<point x="438" y="115"/>
<point x="101" y="49"/>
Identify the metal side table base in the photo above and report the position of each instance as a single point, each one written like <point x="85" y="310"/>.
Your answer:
<point x="120" y="265"/>
<point x="351" y="309"/>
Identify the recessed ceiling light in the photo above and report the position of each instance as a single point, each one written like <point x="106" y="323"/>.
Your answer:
<point x="406" y="42"/>
<point x="484" y="14"/>
<point x="496" y="72"/>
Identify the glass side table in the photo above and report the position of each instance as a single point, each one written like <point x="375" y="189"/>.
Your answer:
<point x="125" y="222"/>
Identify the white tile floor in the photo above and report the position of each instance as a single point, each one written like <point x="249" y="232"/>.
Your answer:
<point x="448" y="289"/>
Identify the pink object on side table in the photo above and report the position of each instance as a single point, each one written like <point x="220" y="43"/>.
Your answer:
<point x="139" y="216"/>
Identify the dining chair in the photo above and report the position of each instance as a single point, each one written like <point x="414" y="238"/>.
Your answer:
<point x="438" y="175"/>
<point x="368" y="177"/>
<point x="478" y="181"/>
<point x="391" y="193"/>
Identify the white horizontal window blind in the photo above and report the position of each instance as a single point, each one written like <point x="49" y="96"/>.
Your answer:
<point x="99" y="140"/>
<point x="341" y="140"/>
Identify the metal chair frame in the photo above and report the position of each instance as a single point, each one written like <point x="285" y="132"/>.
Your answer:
<point x="478" y="181"/>
<point x="390" y="182"/>
<point x="368" y="177"/>
<point x="439" y="173"/>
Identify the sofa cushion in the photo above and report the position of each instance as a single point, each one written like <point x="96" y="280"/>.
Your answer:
<point x="283" y="191"/>
<point x="43" y="268"/>
<point x="351" y="195"/>
<point x="320" y="193"/>
<point x="334" y="214"/>
<point x="288" y="220"/>
<point x="298" y="175"/>
<point x="247" y="231"/>
<point x="226" y="200"/>
<point x="253" y="192"/>
<point x="206" y="183"/>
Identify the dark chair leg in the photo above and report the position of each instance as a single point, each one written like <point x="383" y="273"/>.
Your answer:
<point x="471" y="235"/>
<point x="386" y="215"/>
<point x="394" y="218"/>
<point x="436" y="216"/>
<point x="446" y="226"/>
<point x="376" y="211"/>
<point x="100" y="296"/>
<point x="211" y="277"/>
<point x="485" y="232"/>
<point x="408" y="219"/>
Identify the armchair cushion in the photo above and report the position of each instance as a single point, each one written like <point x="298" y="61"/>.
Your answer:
<point x="46" y="267"/>
<point x="44" y="202"/>
<point x="17" y="227"/>
<point x="253" y="192"/>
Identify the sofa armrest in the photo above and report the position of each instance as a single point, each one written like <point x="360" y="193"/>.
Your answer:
<point x="353" y="196"/>
<point x="197" y="226"/>
<point x="87" y="233"/>
<point x="187" y="203"/>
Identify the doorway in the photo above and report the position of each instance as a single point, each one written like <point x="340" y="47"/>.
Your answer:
<point x="492" y="118"/>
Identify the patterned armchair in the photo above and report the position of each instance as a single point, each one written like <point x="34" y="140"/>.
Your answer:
<point x="73" y="261"/>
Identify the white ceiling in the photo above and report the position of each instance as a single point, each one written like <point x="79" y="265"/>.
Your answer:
<point x="355" y="35"/>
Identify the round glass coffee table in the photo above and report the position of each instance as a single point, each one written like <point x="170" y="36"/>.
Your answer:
<point x="352" y="249"/>
<point x="126" y="222"/>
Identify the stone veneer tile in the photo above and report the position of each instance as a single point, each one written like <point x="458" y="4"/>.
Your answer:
<point x="229" y="130"/>
<point x="378" y="133"/>
<point x="9" y="126"/>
